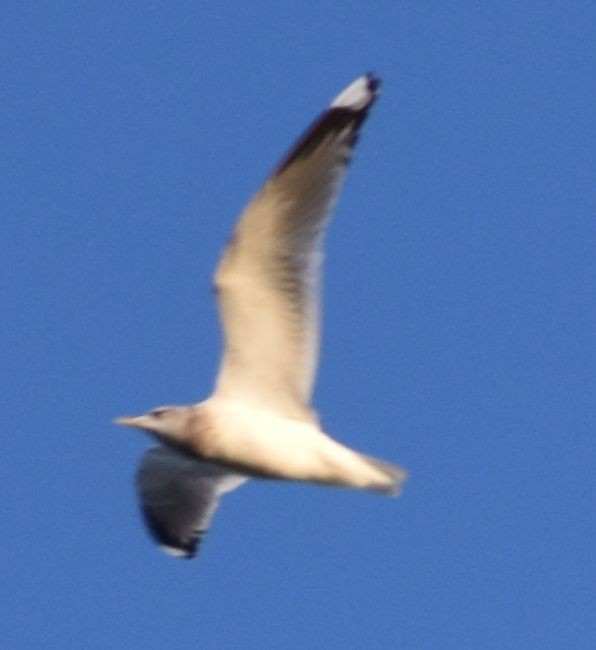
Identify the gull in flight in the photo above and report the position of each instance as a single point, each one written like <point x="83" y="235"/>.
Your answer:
<point x="259" y="422"/>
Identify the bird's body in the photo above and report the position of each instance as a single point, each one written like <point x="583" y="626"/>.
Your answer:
<point x="260" y="442"/>
<point x="259" y="420"/>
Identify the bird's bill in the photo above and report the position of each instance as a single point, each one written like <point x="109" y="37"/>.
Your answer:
<point x="138" y="422"/>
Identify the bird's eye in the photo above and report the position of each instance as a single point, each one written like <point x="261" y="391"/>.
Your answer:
<point x="157" y="413"/>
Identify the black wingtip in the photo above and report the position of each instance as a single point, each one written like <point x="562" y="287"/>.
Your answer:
<point x="169" y="540"/>
<point x="183" y="549"/>
<point x="348" y="110"/>
<point x="374" y="83"/>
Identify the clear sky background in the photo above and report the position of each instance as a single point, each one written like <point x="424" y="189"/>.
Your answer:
<point x="459" y="321"/>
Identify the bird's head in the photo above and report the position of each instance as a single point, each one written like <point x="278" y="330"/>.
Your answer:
<point x="167" y="423"/>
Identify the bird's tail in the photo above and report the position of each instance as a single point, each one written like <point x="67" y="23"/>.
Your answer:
<point x="347" y="467"/>
<point x="391" y="478"/>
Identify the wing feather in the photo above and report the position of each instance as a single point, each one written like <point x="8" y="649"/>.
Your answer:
<point x="179" y="495"/>
<point x="268" y="280"/>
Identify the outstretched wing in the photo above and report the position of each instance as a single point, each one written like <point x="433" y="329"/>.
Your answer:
<point x="179" y="495"/>
<point x="268" y="281"/>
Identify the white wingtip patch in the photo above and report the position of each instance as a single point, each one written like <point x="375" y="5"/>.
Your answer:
<point x="357" y="95"/>
<point x="174" y="552"/>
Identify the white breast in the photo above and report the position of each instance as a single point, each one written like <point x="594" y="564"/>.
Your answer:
<point x="264" y="442"/>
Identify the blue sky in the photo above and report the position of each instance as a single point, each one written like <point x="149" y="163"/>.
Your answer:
<point x="459" y="320"/>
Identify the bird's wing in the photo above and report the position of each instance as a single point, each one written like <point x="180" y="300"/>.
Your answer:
<point x="268" y="280"/>
<point x="179" y="495"/>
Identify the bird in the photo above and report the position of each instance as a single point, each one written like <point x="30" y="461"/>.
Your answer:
<point x="259" y="421"/>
